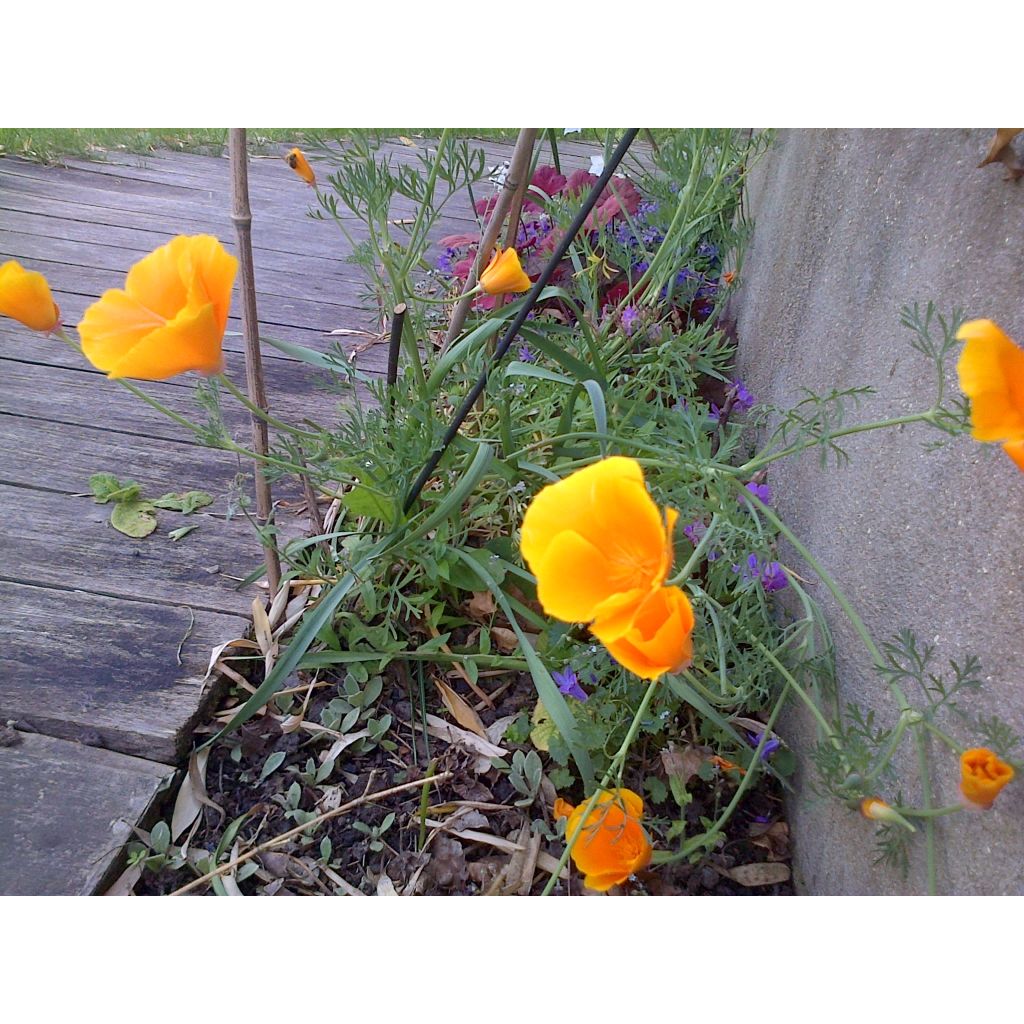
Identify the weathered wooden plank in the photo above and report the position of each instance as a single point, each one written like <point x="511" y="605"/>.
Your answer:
<point x="87" y="398"/>
<point x="62" y="541"/>
<point x="97" y="189"/>
<point x="105" y="671"/>
<point x="313" y="237"/>
<point x="62" y="457"/>
<point x="139" y="241"/>
<point x="66" y="810"/>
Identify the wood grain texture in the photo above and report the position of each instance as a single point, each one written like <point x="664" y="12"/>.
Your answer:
<point x="104" y="670"/>
<point x="66" y="811"/>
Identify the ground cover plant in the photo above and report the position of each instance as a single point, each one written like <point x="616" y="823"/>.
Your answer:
<point x="547" y="651"/>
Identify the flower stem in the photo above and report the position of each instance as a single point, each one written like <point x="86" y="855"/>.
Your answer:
<point x="698" y="553"/>
<point x="242" y="397"/>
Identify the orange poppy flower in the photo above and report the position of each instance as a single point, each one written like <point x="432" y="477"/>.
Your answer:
<point x="300" y="165"/>
<point x="504" y="274"/>
<point x="612" y="844"/>
<point x="729" y="276"/>
<point x="982" y="775"/>
<point x="659" y="638"/>
<point x="601" y="550"/>
<point x="878" y="810"/>
<point x="991" y="370"/>
<point x="169" y="318"/>
<point x="725" y="765"/>
<point x="25" y="296"/>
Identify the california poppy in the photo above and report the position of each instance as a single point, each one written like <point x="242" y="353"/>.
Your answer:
<point x="601" y="550"/>
<point x="982" y="775"/>
<point x="170" y="316"/>
<point x="611" y="844"/>
<point x="504" y="274"/>
<point x="659" y="638"/>
<point x="991" y="370"/>
<point x="300" y="165"/>
<point x="878" y="810"/>
<point x="25" y="296"/>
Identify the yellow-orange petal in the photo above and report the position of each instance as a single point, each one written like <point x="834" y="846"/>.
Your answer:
<point x="982" y="776"/>
<point x="660" y="638"/>
<point x="210" y="272"/>
<point x="504" y="274"/>
<point x="611" y="844"/>
<point x="1015" y="449"/>
<point x="562" y="808"/>
<point x="192" y="341"/>
<point x="297" y="161"/>
<point x="602" y="524"/>
<point x="25" y="296"/>
<point x="991" y="371"/>
<point x="113" y="325"/>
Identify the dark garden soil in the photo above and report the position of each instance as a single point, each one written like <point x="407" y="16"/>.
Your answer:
<point x="472" y="823"/>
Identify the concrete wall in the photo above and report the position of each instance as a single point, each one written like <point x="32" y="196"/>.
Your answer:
<point x="850" y="226"/>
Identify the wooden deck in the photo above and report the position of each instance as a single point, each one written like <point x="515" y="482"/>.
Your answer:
<point x="101" y="705"/>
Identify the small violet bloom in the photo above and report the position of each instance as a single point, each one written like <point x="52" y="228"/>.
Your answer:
<point x="773" y="577"/>
<point x="525" y="355"/>
<point x="760" y="491"/>
<point x="568" y="684"/>
<point x="769" y="748"/>
<point x="629" y="319"/>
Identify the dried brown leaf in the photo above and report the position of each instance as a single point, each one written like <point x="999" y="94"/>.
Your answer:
<point x="461" y="711"/>
<point x="481" y="606"/>
<point x="682" y="763"/>
<point x="504" y="639"/>
<point x="753" y="875"/>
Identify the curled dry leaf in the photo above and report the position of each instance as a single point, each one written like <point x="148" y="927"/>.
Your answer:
<point x="461" y="711"/>
<point x="443" y="730"/>
<point x="481" y="606"/>
<point x="192" y="795"/>
<point x="682" y="763"/>
<point x="221" y="648"/>
<point x="504" y="639"/>
<point x="773" y="838"/>
<point x="753" y="875"/>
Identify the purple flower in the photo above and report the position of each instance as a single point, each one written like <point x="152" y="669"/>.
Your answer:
<point x="773" y="577"/>
<point x="647" y="207"/>
<point x="629" y="318"/>
<point x="707" y="251"/>
<point x="684" y="275"/>
<point x="744" y="400"/>
<point x="525" y="355"/>
<point x="568" y="684"/>
<point x="769" y="748"/>
<point x="761" y="491"/>
<point x="694" y="532"/>
<point x="444" y="261"/>
<point x="641" y="266"/>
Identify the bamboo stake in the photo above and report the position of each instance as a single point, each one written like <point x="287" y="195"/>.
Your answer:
<point x="518" y="168"/>
<point x="242" y="219"/>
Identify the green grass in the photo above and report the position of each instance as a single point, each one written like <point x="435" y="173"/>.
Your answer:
<point x="50" y="145"/>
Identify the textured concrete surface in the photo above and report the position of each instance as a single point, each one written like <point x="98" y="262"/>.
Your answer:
<point x="850" y="226"/>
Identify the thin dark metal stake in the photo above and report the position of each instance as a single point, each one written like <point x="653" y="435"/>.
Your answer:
<point x="531" y="300"/>
<point x="394" y="344"/>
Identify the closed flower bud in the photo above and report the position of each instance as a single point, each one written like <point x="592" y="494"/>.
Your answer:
<point x="982" y="775"/>
<point x="878" y="810"/>
<point x="300" y="165"/>
<point x="25" y="297"/>
<point x="504" y="274"/>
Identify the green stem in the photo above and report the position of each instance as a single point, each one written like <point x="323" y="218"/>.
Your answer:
<point x="763" y="460"/>
<point x="945" y="737"/>
<point x="934" y="812"/>
<point x="242" y="397"/>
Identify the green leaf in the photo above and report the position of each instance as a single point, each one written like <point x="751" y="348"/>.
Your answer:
<point x="272" y="763"/>
<point x="106" y="487"/>
<point x="554" y="703"/>
<point x="517" y="369"/>
<point x="160" y="837"/>
<point x="186" y="501"/>
<point x="133" y="518"/>
<point x="364" y="501"/>
<point x="182" y="531"/>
